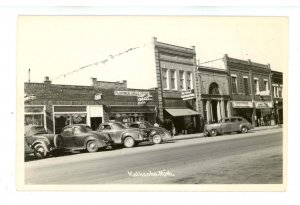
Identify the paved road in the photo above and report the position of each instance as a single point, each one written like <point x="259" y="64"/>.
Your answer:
<point x="228" y="159"/>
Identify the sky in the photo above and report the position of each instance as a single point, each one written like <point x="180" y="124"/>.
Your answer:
<point x="55" y="46"/>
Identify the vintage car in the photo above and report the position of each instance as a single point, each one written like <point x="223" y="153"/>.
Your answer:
<point x="38" y="141"/>
<point x="227" y="125"/>
<point x="155" y="134"/>
<point x="82" y="137"/>
<point x="122" y="135"/>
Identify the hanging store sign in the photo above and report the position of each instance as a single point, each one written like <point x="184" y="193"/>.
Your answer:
<point x="264" y="93"/>
<point x="98" y="96"/>
<point x="242" y="104"/>
<point x="144" y="98"/>
<point x="267" y="104"/>
<point x="187" y="95"/>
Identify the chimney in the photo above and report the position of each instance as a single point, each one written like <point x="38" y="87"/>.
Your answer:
<point x="94" y="81"/>
<point x="125" y="83"/>
<point x="154" y="40"/>
<point x="46" y="80"/>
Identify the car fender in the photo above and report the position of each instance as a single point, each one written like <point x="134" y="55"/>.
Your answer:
<point x="134" y="135"/>
<point x="100" y="142"/>
<point x="44" y="142"/>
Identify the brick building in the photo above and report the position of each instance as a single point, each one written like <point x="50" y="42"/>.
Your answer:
<point x="213" y="93"/>
<point x="175" y="73"/>
<point x="55" y="106"/>
<point x="250" y="90"/>
<point x="277" y="86"/>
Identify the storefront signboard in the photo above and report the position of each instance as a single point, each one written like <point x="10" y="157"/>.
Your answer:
<point x="267" y="104"/>
<point x="187" y="95"/>
<point x="130" y="93"/>
<point x="242" y="104"/>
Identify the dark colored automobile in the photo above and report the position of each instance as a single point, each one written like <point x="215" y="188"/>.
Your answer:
<point x="120" y="134"/>
<point x="155" y="134"/>
<point x="82" y="137"/>
<point x="38" y="141"/>
<point x="227" y="125"/>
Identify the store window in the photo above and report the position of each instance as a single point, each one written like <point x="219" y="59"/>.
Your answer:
<point x="234" y="83"/>
<point x="256" y="85"/>
<point x="165" y="78"/>
<point x="35" y="115"/>
<point x="181" y="79"/>
<point x="280" y="92"/>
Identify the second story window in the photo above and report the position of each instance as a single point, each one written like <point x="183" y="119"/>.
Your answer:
<point x="173" y="79"/>
<point x="234" y="83"/>
<point x="165" y="78"/>
<point x="189" y="82"/>
<point x="246" y="87"/>
<point x="266" y="85"/>
<point x="256" y="85"/>
<point x="181" y="79"/>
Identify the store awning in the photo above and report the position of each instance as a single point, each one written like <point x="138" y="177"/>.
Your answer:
<point x="181" y="112"/>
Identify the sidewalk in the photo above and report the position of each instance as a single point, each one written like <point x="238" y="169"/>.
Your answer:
<point x="199" y="135"/>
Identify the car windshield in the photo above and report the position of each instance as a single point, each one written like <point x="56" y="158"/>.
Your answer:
<point x="146" y="124"/>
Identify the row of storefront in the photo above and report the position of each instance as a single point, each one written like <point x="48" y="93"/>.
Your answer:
<point x="187" y="94"/>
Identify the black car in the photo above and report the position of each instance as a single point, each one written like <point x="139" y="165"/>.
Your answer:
<point x="155" y="134"/>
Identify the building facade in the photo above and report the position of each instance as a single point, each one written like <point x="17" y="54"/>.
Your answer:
<point x="213" y="93"/>
<point x="55" y="106"/>
<point x="250" y="90"/>
<point x="277" y="86"/>
<point x="176" y="86"/>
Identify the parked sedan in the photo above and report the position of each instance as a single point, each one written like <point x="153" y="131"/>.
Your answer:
<point x="128" y="137"/>
<point x="155" y="134"/>
<point x="227" y="125"/>
<point x="38" y="141"/>
<point x="82" y="137"/>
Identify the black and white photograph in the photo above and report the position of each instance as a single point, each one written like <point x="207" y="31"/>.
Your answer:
<point x="151" y="102"/>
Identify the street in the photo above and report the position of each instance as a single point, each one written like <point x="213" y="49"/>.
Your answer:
<point x="252" y="158"/>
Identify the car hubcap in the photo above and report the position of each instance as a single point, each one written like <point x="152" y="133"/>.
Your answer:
<point x="92" y="145"/>
<point x="156" y="139"/>
<point x="129" y="142"/>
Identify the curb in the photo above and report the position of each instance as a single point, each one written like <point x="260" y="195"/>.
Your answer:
<point x="200" y="135"/>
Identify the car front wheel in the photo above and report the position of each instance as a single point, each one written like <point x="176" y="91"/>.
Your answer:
<point x="156" y="139"/>
<point x="92" y="146"/>
<point x="129" y="142"/>
<point x="213" y="133"/>
<point x="244" y="129"/>
<point x="40" y="150"/>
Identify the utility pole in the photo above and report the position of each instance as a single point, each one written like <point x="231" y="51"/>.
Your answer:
<point x="29" y="75"/>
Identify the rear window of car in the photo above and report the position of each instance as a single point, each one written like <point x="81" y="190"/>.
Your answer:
<point x="240" y="119"/>
<point x="134" y="126"/>
<point x="227" y="120"/>
<point x="233" y="120"/>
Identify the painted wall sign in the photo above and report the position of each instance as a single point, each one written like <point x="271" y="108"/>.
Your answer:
<point x="130" y="93"/>
<point x="267" y="104"/>
<point x="242" y="104"/>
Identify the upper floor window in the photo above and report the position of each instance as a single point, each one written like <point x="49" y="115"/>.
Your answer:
<point x="181" y="80"/>
<point x="246" y="87"/>
<point x="266" y="85"/>
<point x="256" y="85"/>
<point x="189" y="81"/>
<point x="165" y="81"/>
<point x="234" y="83"/>
<point x="173" y="79"/>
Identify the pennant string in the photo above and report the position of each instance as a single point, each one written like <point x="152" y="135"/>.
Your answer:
<point x="98" y="62"/>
